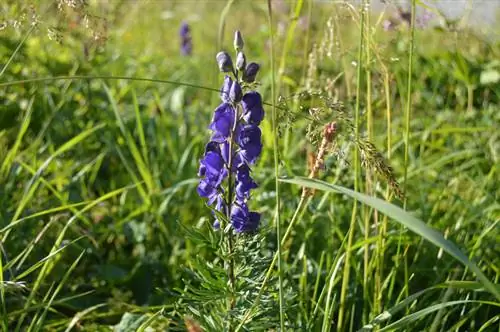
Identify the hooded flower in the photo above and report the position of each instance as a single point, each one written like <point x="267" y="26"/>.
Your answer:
<point x="226" y="87"/>
<point x="253" y="112"/>
<point x="235" y="94"/>
<point x="222" y="122"/>
<point x="250" y="72"/>
<point x="249" y="140"/>
<point x="225" y="62"/>
<point x="244" y="183"/>
<point x="244" y="220"/>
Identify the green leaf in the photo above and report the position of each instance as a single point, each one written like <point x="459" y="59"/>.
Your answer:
<point x="404" y="218"/>
<point x="399" y="324"/>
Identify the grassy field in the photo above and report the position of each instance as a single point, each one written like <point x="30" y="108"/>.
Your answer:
<point x="103" y="123"/>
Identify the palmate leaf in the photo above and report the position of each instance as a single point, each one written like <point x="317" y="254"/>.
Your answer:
<point x="404" y="218"/>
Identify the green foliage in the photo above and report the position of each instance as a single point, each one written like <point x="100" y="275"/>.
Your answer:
<point x="101" y="227"/>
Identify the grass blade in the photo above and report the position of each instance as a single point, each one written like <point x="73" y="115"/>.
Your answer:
<point x="404" y="218"/>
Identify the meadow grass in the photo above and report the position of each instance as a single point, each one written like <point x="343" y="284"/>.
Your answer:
<point x="102" y="127"/>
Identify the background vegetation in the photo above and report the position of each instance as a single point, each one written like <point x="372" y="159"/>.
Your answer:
<point x="103" y="122"/>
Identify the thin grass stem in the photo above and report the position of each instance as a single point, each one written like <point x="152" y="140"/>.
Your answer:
<point x="346" y="274"/>
<point x="276" y="168"/>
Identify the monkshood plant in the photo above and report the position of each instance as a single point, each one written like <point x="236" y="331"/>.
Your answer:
<point x="226" y="288"/>
<point x="235" y="145"/>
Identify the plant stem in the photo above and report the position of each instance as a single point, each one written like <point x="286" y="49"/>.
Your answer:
<point x="345" y="278"/>
<point x="276" y="170"/>
<point x="230" y="245"/>
<point x="407" y="131"/>
<point x="408" y="99"/>
<point x="369" y="179"/>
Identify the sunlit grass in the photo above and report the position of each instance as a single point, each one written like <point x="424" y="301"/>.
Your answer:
<point x="100" y="141"/>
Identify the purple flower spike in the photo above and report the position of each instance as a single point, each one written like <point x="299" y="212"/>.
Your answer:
<point x="184" y="31"/>
<point x="253" y="112"/>
<point x="186" y="43"/>
<point x="244" y="220"/>
<point x="222" y="123"/>
<point x="235" y="144"/>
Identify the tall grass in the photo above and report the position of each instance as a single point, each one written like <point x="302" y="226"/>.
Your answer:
<point x="101" y="225"/>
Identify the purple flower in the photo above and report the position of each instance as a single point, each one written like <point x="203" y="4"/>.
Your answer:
<point x="222" y="122"/>
<point x="235" y="94"/>
<point x="249" y="140"/>
<point x="238" y="41"/>
<point x="244" y="183"/>
<point x="250" y="72"/>
<point x="226" y="87"/>
<point x="207" y="189"/>
<point x="225" y="62"/>
<point x="186" y="43"/>
<point x="253" y="112"/>
<point x="235" y="143"/>
<point x="212" y="167"/>
<point x="244" y="220"/>
<point x="241" y="61"/>
<point x="184" y="31"/>
<point x="220" y="206"/>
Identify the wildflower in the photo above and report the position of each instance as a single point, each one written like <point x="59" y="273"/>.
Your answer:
<point x="235" y="94"/>
<point x="225" y="62"/>
<point x="244" y="182"/>
<point x="226" y="87"/>
<point x="186" y="43"/>
<point x="241" y="61"/>
<point x="249" y="140"/>
<point x="243" y="220"/>
<point x="223" y="122"/>
<point x="236" y="143"/>
<point x="250" y="72"/>
<point x="238" y="41"/>
<point x="253" y="112"/>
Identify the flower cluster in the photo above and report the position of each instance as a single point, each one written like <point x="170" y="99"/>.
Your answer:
<point x="235" y="144"/>
<point x="186" y="43"/>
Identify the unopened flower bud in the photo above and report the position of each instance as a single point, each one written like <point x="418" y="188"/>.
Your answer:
<point x="241" y="61"/>
<point x="238" y="41"/>
<point x="250" y="72"/>
<point x="226" y="88"/>
<point x="235" y="94"/>
<point x="224" y="62"/>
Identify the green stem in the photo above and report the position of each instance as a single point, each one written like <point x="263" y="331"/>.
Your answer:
<point x="109" y="77"/>
<point x="409" y="100"/>
<point x="369" y="127"/>
<point x="407" y="131"/>
<point x="12" y="56"/>
<point x="276" y="170"/>
<point x="347" y="266"/>
<point x="230" y="262"/>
